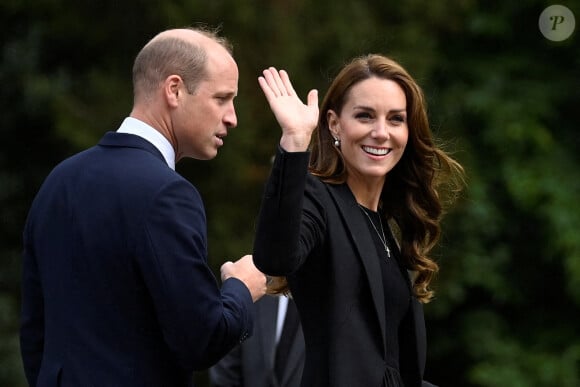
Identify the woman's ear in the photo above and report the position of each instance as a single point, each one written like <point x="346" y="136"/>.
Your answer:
<point x="333" y="123"/>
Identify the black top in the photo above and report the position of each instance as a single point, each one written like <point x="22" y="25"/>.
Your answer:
<point x="396" y="288"/>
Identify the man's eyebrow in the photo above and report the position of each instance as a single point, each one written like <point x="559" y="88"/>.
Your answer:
<point x="226" y="93"/>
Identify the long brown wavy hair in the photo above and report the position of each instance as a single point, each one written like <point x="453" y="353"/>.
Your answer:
<point x="415" y="190"/>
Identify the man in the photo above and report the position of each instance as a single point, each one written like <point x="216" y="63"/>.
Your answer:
<point x="116" y="286"/>
<point x="272" y="357"/>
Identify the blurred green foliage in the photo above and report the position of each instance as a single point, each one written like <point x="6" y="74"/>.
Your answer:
<point x="503" y="98"/>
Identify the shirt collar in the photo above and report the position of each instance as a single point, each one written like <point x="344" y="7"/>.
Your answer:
<point x="139" y="128"/>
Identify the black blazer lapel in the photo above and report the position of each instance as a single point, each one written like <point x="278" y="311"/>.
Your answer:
<point x="413" y="336"/>
<point x="363" y="246"/>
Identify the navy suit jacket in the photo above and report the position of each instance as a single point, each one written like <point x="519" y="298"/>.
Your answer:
<point x="332" y="266"/>
<point x="251" y="364"/>
<point x="116" y="286"/>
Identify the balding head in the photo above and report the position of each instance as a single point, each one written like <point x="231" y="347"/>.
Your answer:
<point x="182" y="52"/>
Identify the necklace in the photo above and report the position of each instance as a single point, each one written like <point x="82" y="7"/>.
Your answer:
<point x="383" y="239"/>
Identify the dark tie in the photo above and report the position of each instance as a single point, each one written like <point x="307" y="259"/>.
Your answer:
<point x="291" y="323"/>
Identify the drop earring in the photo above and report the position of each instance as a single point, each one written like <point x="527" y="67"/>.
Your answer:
<point x="337" y="142"/>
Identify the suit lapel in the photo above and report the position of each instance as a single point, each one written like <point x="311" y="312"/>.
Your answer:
<point x="294" y="359"/>
<point x="267" y="320"/>
<point x="296" y="352"/>
<point x="363" y="243"/>
<point x="267" y="323"/>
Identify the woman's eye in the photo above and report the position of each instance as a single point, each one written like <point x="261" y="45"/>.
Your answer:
<point x="398" y="119"/>
<point x="363" y="116"/>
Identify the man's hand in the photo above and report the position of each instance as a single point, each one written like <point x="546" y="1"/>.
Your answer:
<point x="244" y="270"/>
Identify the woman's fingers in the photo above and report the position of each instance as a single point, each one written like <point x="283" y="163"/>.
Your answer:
<point x="312" y="100"/>
<point x="283" y="75"/>
<point x="268" y="92"/>
<point x="296" y="118"/>
<point x="277" y="81"/>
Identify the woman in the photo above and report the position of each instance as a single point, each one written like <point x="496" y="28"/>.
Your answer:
<point x="325" y="216"/>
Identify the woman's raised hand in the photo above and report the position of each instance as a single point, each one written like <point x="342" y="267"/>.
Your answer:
<point x="296" y="119"/>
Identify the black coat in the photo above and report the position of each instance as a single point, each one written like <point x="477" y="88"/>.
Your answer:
<point x="251" y="364"/>
<point x="315" y="234"/>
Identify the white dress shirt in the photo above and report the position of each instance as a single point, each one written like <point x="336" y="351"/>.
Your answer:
<point x="139" y="128"/>
<point x="282" y="308"/>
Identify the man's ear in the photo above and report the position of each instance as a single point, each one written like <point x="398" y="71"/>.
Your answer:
<point x="173" y="90"/>
<point x="333" y="123"/>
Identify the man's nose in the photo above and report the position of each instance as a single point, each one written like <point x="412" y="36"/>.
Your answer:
<point x="230" y="119"/>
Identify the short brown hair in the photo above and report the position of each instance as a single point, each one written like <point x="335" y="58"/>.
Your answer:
<point x="165" y="56"/>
